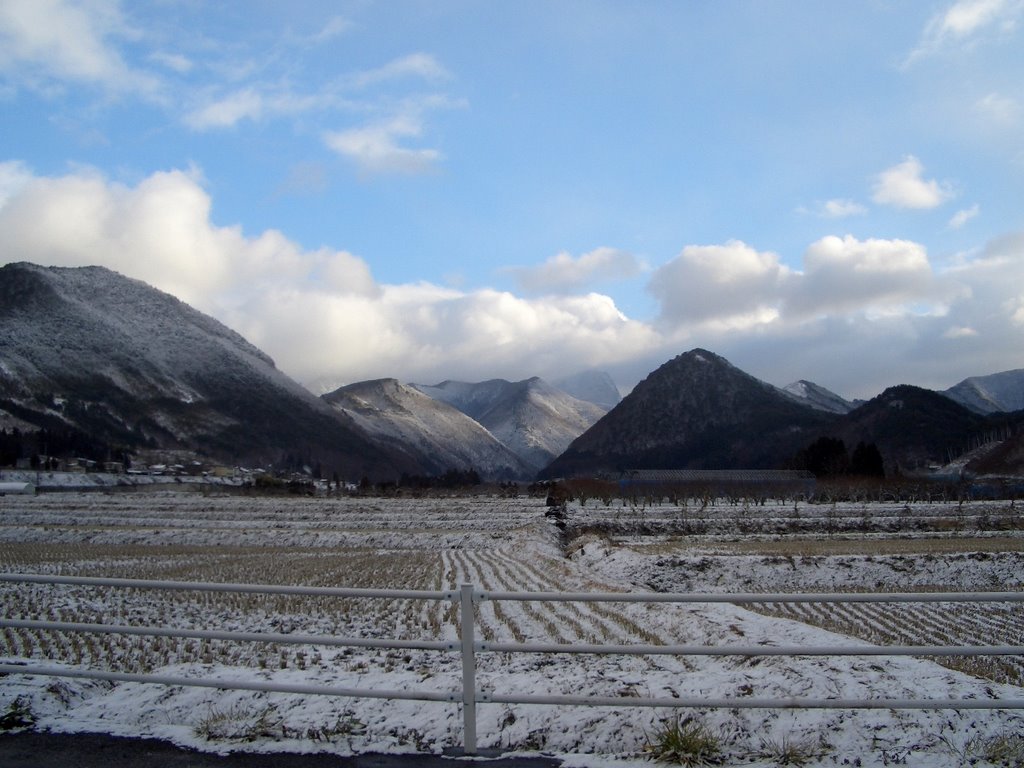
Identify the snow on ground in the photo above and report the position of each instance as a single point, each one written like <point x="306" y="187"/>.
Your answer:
<point x="495" y="544"/>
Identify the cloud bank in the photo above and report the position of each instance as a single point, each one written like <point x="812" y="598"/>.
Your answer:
<point x="326" y="320"/>
<point x="564" y="273"/>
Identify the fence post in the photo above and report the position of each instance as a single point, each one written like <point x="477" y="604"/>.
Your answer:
<point x="468" y="671"/>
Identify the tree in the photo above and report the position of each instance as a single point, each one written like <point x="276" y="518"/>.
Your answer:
<point x="825" y="457"/>
<point x="866" y="461"/>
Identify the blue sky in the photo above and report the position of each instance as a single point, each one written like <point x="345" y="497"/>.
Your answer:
<point x="469" y="190"/>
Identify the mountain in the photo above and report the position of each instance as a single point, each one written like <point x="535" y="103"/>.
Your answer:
<point x="990" y="394"/>
<point x="912" y="427"/>
<point x="696" y="411"/>
<point x="90" y="351"/>
<point x="818" y="397"/>
<point x="532" y="418"/>
<point x="593" y="387"/>
<point x="436" y="435"/>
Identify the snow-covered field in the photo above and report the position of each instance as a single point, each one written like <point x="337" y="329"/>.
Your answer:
<point x="507" y="544"/>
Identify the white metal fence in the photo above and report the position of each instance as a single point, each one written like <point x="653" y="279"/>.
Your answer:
<point x="468" y="646"/>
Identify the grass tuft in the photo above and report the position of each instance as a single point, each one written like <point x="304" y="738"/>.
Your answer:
<point x="792" y="751"/>
<point x="684" y="741"/>
<point x="1005" y="750"/>
<point x="239" y="723"/>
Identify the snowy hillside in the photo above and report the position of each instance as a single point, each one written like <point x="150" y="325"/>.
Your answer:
<point x="534" y="419"/>
<point x="133" y="367"/>
<point x="818" y="397"/>
<point x="989" y="394"/>
<point x="437" y="435"/>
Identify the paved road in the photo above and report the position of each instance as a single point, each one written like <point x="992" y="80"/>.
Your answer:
<point x="31" y="749"/>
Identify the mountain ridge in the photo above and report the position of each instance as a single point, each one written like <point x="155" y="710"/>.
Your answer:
<point x="435" y="434"/>
<point x="531" y="417"/>
<point x="994" y="393"/>
<point x="88" y="349"/>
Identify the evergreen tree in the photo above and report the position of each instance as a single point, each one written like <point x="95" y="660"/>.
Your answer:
<point x="825" y="457"/>
<point x="866" y="461"/>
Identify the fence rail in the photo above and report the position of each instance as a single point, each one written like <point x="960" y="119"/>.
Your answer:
<point x="467" y="598"/>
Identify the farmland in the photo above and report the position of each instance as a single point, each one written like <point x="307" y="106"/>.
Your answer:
<point x="499" y="543"/>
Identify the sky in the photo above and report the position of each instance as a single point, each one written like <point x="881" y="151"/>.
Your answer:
<point x="461" y="189"/>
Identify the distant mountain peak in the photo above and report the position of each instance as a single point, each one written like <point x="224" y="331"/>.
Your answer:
<point x="990" y="394"/>
<point x="433" y="433"/>
<point x="531" y="417"/>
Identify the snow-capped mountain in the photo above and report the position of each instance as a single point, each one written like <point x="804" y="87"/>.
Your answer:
<point x="434" y="433"/>
<point x="532" y="418"/>
<point x="117" y="360"/>
<point x="818" y="397"/>
<point x="990" y="394"/>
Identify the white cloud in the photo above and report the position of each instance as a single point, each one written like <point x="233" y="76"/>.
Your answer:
<point x="173" y="61"/>
<point x="417" y="65"/>
<point x="903" y="187"/>
<point x="256" y="103"/>
<point x="14" y="176"/>
<point x="966" y="17"/>
<point x="964" y="22"/>
<point x="376" y="148"/>
<point x="259" y="101"/>
<point x="991" y="279"/>
<point x="999" y="109"/>
<point x="961" y="217"/>
<point x="563" y="273"/>
<point x="45" y="41"/>
<point x="840" y="209"/>
<point x="843" y="275"/>
<point x="722" y="283"/>
<point x="732" y="289"/>
<point x="335" y="27"/>
<point x="225" y="112"/>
